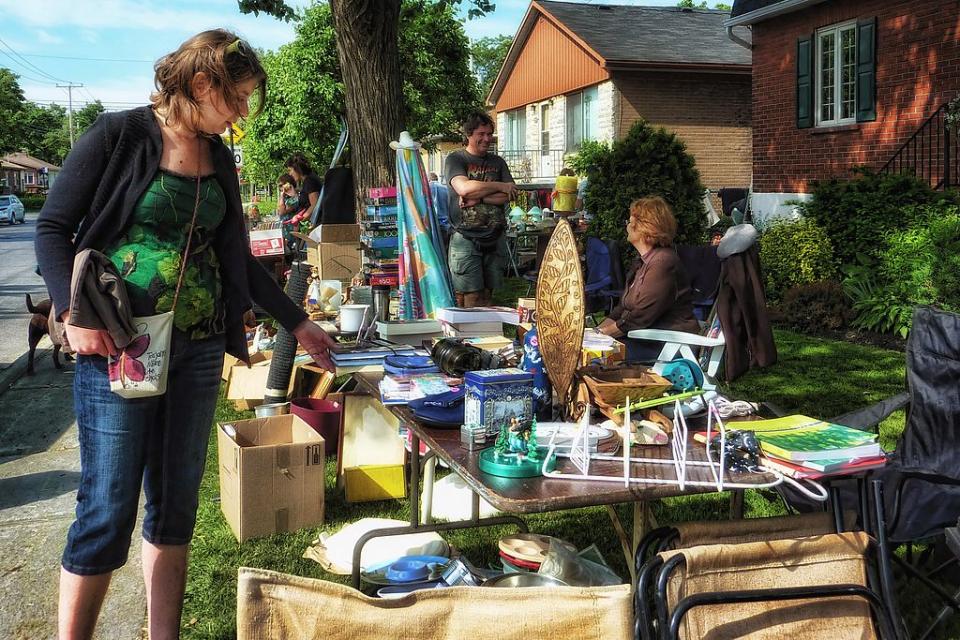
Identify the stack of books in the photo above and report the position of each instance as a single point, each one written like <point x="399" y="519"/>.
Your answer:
<point x="369" y="357"/>
<point x="803" y="447"/>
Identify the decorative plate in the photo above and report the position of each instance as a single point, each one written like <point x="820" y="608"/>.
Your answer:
<point x="560" y="309"/>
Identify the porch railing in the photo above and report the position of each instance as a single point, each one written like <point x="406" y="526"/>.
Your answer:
<point x="530" y="165"/>
<point x="930" y="153"/>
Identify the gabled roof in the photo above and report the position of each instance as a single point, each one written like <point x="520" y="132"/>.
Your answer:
<point x="634" y="37"/>
<point x="27" y="161"/>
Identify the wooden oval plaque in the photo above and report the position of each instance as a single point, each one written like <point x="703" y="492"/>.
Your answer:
<point x="560" y="309"/>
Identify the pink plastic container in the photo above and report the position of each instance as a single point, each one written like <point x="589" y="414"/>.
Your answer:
<point x="323" y="416"/>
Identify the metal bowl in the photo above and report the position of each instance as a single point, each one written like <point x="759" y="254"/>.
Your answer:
<point x="524" y="580"/>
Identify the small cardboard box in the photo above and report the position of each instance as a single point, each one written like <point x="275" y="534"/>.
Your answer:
<point x="271" y="476"/>
<point x="246" y="385"/>
<point x="229" y="362"/>
<point x="266" y="242"/>
<point x="334" y="249"/>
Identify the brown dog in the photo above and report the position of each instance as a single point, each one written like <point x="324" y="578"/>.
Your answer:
<point x="37" y="329"/>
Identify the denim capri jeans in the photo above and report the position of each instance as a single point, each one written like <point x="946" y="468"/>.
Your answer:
<point x="159" y="443"/>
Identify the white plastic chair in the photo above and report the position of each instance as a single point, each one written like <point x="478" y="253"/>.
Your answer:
<point x="680" y="343"/>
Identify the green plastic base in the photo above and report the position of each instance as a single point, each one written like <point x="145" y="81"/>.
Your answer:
<point x="510" y="466"/>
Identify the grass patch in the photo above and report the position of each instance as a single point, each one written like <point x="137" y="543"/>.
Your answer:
<point x="815" y="376"/>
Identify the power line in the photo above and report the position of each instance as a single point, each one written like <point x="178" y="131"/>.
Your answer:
<point x="35" y="67"/>
<point x="23" y="75"/>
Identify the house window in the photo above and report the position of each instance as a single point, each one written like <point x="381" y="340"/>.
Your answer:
<point x="30" y="178"/>
<point x="582" y="118"/>
<point x="544" y="129"/>
<point x="836" y="74"/>
<point x="516" y="133"/>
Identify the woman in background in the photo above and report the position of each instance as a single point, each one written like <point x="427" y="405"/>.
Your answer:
<point x="657" y="294"/>
<point x="310" y="183"/>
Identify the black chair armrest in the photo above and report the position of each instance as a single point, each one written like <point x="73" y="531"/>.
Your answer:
<point x="867" y="418"/>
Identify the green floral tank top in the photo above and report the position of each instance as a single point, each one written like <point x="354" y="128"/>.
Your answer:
<point x="148" y="255"/>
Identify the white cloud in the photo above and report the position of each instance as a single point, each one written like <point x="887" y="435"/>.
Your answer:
<point x="44" y="37"/>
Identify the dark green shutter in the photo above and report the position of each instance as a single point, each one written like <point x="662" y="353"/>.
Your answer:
<point x="804" y="83"/>
<point x="867" y="70"/>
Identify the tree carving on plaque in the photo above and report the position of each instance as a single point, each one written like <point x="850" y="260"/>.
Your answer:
<point x="560" y="309"/>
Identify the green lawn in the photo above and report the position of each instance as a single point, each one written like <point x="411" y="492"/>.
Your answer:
<point x="813" y="376"/>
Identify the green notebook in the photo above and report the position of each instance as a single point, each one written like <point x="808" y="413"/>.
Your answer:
<point x="803" y="438"/>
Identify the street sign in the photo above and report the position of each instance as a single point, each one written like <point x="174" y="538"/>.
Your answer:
<point x="238" y="133"/>
<point x="238" y="157"/>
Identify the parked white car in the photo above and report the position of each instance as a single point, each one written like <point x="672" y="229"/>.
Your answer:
<point x="11" y="209"/>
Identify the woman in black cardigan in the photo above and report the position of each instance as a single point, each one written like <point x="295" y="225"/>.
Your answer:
<point x="130" y="189"/>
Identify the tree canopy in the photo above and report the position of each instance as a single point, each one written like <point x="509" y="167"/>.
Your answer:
<point x="488" y="55"/>
<point x="38" y="130"/>
<point x="11" y="111"/>
<point x="306" y="94"/>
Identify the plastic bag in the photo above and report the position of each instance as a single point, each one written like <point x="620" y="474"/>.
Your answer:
<point x="575" y="570"/>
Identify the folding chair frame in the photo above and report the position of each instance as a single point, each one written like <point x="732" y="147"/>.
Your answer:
<point x="656" y="570"/>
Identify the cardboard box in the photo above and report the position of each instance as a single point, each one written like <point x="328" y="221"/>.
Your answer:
<point x="335" y="250"/>
<point x="371" y="454"/>
<point x="592" y="356"/>
<point x="246" y="385"/>
<point x="266" y="242"/>
<point x="229" y="362"/>
<point x="271" y="476"/>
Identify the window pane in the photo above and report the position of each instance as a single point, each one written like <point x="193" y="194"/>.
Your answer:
<point x="848" y="72"/>
<point x="590" y="115"/>
<point x="544" y="128"/>
<point x="827" y="75"/>
<point x="574" y="121"/>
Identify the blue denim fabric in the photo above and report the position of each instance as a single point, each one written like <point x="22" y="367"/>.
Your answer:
<point x="159" y="442"/>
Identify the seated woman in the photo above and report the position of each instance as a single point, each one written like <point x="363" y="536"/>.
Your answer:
<point x="657" y="293"/>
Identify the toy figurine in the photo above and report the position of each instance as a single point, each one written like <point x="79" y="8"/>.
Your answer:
<point x="519" y="440"/>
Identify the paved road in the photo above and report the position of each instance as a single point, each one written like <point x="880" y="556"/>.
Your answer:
<point x="17" y="262"/>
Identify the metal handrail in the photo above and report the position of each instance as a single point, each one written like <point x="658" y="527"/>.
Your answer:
<point x="530" y="163"/>
<point x="929" y="153"/>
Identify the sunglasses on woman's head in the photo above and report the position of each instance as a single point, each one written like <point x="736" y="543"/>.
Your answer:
<point x="239" y="46"/>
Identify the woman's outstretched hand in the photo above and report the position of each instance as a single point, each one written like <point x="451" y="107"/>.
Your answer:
<point x="316" y="341"/>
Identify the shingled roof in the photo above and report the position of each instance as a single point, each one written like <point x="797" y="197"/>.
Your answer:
<point x="633" y="34"/>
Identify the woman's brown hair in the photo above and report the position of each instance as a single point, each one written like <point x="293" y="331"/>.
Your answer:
<point x="225" y="59"/>
<point x="653" y="218"/>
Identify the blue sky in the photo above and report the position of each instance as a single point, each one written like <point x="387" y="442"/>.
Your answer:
<point x="109" y="45"/>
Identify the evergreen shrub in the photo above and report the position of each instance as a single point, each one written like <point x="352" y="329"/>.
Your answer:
<point x="793" y="253"/>
<point x="647" y="162"/>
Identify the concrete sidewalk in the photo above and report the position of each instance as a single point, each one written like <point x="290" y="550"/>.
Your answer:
<point x="39" y="475"/>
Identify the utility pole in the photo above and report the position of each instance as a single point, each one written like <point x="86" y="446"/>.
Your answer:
<point x="69" y="87"/>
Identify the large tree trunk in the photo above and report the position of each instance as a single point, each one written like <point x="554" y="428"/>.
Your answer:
<point x="367" y="46"/>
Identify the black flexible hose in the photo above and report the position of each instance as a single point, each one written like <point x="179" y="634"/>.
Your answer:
<point x="285" y="345"/>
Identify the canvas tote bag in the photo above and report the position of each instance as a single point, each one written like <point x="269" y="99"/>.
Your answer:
<point x="140" y="370"/>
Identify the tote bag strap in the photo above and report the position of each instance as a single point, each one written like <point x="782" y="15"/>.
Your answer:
<point x="193" y="223"/>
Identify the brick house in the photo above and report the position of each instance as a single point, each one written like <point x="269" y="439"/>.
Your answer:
<point x="22" y="173"/>
<point x="580" y="72"/>
<point x="839" y="83"/>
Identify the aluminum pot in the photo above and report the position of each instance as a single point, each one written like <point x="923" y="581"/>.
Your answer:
<point x="272" y="409"/>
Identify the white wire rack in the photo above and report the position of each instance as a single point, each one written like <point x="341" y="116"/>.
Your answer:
<point x="680" y="469"/>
